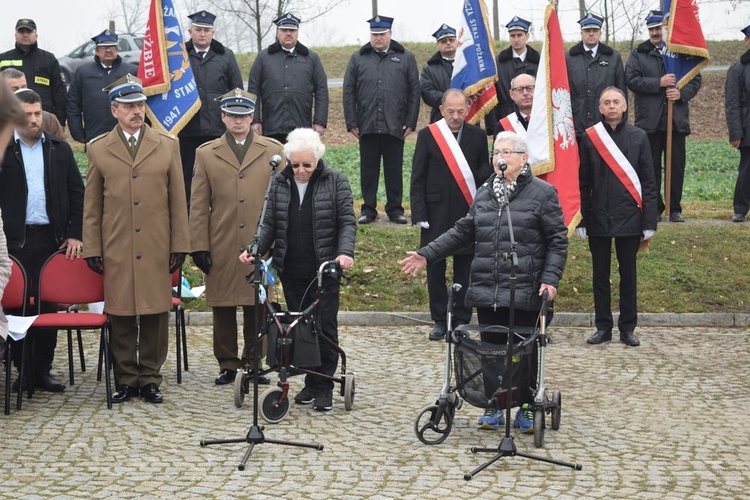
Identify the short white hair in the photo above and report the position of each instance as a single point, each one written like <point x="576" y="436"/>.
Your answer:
<point x="518" y="142"/>
<point x="304" y="139"/>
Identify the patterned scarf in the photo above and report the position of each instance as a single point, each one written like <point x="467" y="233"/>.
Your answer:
<point x="497" y="186"/>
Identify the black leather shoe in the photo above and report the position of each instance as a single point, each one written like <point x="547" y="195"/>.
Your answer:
<point x="17" y="382"/>
<point x="438" y="333"/>
<point x="629" y="339"/>
<point x="398" y="219"/>
<point x="262" y="380"/>
<point x="366" y="219"/>
<point x="152" y="394"/>
<point x="124" y="393"/>
<point x="738" y="218"/>
<point x="599" y="337"/>
<point x="225" y="377"/>
<point x="48" y="383"/>
<point x="676" y="217"/>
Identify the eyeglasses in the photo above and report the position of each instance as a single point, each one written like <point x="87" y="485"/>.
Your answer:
<point x="507" y="152"/>
<point x="305" y="165"/>
<point x="526" y="88"/>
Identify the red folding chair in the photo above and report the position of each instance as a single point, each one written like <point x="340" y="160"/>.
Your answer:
<point x="179" y="324"/>
<point x="64" y="281"/>
<point x="14" y="297"/>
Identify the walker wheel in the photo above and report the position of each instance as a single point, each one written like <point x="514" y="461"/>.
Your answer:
<point x="556" y="409"/>
<point x="240" y="388"/>
<point x="539" y="428"/>
<point x="349" y="391"/>
<point x="273" y="408"/>
<point x="430" y="431"/>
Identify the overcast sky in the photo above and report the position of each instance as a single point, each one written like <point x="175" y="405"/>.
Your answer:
<point x="63" y="25"/>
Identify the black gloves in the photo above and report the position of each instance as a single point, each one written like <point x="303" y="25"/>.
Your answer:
<point x="175" y="261"/>
<point x="202" y="260"/>
<point x="95" y="264"/>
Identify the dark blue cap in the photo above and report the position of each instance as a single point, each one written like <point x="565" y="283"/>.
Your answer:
<point x="203" y="19"/>
<point x="654" y="19"/>
<point x="518" y="23"/>
<point x="443" y="32"/>
<point x="105" y="39"/>
<point x="237" y="102"/>
<point x="380" y="24"/>
<point x="287" y="21"/>
<point x="746" y="30"/>
<point x="126" y="89"/>
<point x="590" y="21"/>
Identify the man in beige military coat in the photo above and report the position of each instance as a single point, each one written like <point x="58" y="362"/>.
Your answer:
<point x="136" y="234"/>
<point x="230" y="180"/>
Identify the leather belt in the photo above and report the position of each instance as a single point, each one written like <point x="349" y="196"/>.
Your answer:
<point x="37" y="227"/>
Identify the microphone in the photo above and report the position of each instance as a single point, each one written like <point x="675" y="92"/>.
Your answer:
<point x="502" y="164"/>
<point x="275" y="161"/>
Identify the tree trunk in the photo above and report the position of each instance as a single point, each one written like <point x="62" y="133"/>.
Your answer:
<point x="582" y="8"/>
<point x="258" y="32"/>
<point x="374" y="8"/>
<point x="496" y="19"/>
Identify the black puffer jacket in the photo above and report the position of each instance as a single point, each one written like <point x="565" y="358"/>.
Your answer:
<point x="607" y="207"/>
<point x="643" y="73"/>
<point x="737" y="100"/>
<point x="434" y="81"/>
<point x="540" y="234"/>
<point x="334" y="223"/>
<point x="381" y="94"/>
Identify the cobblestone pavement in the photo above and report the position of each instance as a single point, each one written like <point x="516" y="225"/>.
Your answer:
<point x="668" y="419"/>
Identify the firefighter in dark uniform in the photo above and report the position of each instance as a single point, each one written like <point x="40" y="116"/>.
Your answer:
<point x="737" y="100"/>
<point x="436" y="74"/>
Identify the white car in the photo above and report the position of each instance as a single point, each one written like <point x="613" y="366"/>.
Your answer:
<point x="128" y="47"/>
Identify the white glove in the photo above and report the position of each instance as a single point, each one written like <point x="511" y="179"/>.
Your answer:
<point x="648" y="234"/>
<point x="423" y="224"/>
<point x="581" y="232"/>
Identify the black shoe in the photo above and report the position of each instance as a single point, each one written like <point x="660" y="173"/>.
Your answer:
<point x="152" y="394"/>
<point x="629" y="339"/>
<point x="366" y="219"/>
<point x="676" y="217"/>
<point x="398" y="219"/>
<point x="306" y="396"/>
<point x="17" y="382"/>
<point x="738" y="218"/>
<point x="438" y="333"/>
<point x="599" y="337"/>
<point x="124" y="393"/>
<point x="48" y="383"/>
<point x="226" y="376"/>
<point x="323" y="400"/>
<point x="262" y="379"/>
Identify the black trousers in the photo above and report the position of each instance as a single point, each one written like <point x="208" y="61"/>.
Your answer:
<point x="626" y="248"/>
<point x="742" y="186"/>
<point x="39" y="245"/>
<point x="373" y="147"/>
<point x="438" y="291"/>
<point x="279" y="137"/>
<point x="188" y="145"/>
<point x="658" y="143"/>
<point x="298" y="300"/>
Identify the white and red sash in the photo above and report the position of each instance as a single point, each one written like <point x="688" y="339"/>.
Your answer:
<point x="616" y="160"/>
<point x="455" y="159"/>
<point x="511" y="123"/>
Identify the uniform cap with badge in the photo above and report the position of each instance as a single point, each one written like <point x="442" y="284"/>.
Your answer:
<point x="518" y="24"/>
<point x="287" y="21"/>
<point x="380" y="24"/>
<point x="105" y="39"/>
<point x="654" y="19"/>
<point x="126" y="90"/>
<point x="25" y="24"/>
<point x="444" y="31"/>
<point x="591" y="21"/>
<point x="237" y="102"/>
<point x="203" y="19"/>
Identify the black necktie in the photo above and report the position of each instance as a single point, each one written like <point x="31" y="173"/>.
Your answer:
<point x="201" y="53"/>
<point x="590" y="53"/>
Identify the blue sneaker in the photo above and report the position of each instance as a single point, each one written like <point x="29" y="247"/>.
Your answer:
<point x="492" y="420"/>
<point x="524" y="420"/>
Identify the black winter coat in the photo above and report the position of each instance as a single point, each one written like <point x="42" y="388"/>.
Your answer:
<point x="540" y="234"/>
<point x="643" y="72"/>
<point x="435" y="195"/>
<point x="607" y="207"/>
<point x="43" y="76"/>
<point x="334" y="223"/>
<point x="737" y="100"/>
<point x="286" y="86"/>
<point x="88" y="108"/>
<point x="588" y="78"/>
<point x="63" y="187"/>
<point x="509" y="67"/>
<point x="381" y="94"/>
<point x="215" y="74"/>
<point x="434" y="81"/>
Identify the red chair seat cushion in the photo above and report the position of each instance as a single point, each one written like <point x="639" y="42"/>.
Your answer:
<point x="82" y="320"/>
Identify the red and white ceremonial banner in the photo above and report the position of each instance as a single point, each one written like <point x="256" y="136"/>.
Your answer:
<point x="511" y="123"/>
<point x="455" y="158"/>
<point x="616" y="161"/>
<point x="153" y="69"/>
<point x="551" y="137"/>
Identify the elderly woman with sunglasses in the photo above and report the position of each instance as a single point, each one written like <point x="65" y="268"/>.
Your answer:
<point x="542" y="248"/>
<point x="310" y="218"/>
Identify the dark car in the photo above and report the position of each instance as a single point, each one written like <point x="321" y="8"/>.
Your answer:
<point x="128" y="47"/>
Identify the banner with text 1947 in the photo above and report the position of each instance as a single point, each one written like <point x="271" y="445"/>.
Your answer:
<point x="474" y="69"/>
<point x="165" y="71"/>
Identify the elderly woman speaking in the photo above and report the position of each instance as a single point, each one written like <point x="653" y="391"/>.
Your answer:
<point x="310" y="217"/>
<point x="542" y="243"/>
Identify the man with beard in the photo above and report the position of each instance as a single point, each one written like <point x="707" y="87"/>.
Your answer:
<point x="17" y="80"/>
<point x="450" y="162"/>
<point x="436" y="74"/>
<point x="88" y="106"/>
<point x="136" y="234"/>
<point x="41" y="196"/>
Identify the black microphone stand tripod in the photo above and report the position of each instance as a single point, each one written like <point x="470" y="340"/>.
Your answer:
<point x="507" y="447"/>
<point x="255" y="434"/>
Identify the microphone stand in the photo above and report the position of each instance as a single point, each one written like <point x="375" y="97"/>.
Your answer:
<point x="255" y="434"/>
<point x="507" y="447"/>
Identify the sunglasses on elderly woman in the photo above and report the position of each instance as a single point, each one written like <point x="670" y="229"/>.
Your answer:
<point x="306" y="165"/>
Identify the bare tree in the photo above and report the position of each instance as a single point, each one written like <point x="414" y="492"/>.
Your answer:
<point x="131" y="15"/>
<point x="621" y="19"/>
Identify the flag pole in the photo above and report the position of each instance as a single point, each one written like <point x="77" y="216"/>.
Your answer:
<point x="668" y="160"/>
